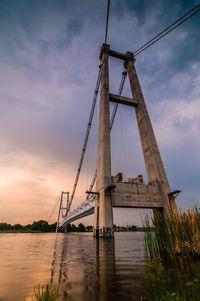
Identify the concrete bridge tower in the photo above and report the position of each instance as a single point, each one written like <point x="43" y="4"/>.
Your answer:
<point x="103" y="208"/>
<point x="103" y="222"/>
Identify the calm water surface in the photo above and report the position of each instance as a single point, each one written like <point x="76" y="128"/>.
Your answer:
<point x="82" y="266"/>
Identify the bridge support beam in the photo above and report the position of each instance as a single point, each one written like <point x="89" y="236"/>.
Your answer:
<point x="103" y="222"/>
<point x="154" y="166"/>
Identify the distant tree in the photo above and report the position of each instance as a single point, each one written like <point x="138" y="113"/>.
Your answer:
<point x="17" y="227"/>
<point x="40" y="226"/>
<point x="69" y="228"/>
<point x="5" y="226"/>
<point x="114" y="227"/>
<point x="81" y="228"/>
<point x="89" y="228"/>
<point x="52" y="227"/>
<point x="74" y="228"/>
<point x="133" y="227"/>
<point x="28" y="227"/>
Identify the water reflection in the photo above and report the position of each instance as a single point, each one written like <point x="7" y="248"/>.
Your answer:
<point x="104" y="269"/>
<point x="90" y="270"/>
<point x="83" y="267"/>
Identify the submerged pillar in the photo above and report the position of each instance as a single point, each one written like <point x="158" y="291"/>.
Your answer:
<point x="154" y="165"/>
<point x="103" y="223"/>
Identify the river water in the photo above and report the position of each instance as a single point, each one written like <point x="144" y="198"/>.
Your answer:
<point x="82" y="266"/>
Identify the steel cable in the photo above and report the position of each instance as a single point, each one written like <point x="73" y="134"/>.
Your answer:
<point x="53" y="210"/>
<point x="86" y="138"/>
<point x="167" y="30"/>
<point x="107" y="19"/>
<point x="90" y="119"/>
<point x="124" y="73"/>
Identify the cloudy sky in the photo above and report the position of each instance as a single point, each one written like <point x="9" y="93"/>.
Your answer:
<point x="49" y="53"/>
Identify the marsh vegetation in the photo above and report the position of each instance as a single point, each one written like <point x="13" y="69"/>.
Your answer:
<point x="173" y="272"/>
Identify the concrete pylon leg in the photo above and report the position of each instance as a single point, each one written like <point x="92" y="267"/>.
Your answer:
<point x="154" y="166"/>
<point x="104" y="156"/>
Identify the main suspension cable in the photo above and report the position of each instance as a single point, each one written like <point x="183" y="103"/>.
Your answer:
<point x="124" y="73"/>
<point x="53" y="210"/>
<point x="90" y="119"/>
<point x="86" y="138"/>
<point x="107" y="19"/>
<point x="168" y="29"/>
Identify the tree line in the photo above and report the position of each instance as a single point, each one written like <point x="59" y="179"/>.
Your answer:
<point x="39" y="226"/>
<point x="44" y="226"/>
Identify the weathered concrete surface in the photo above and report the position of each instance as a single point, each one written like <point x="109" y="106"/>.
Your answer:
<point x="136" y="195"/>
<point x="104" y="222"/>
<point x="123" y="100"/>
<point x="152" y="157"/>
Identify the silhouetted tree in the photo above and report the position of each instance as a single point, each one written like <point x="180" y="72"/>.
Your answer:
<point x="69" y="228"/>
<point x="81" y="228"/>
<point x="89" y="228"/>
<point x="5" y="226"/>
<point x="28" y="227"/>
<point x="17" y="227"/>
<point x="41" y="226"/>
<point x="52" y="227"/>
<point x="74" y="228"/>
<point x="133" y="227"/>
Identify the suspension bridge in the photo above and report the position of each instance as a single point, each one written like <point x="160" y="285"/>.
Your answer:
<point x="115" y="191"/>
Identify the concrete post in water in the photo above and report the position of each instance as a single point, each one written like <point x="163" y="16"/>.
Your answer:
<point x="152" y="157"/>
<point x="103" y="211"/>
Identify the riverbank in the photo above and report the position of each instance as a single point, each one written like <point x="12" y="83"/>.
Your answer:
<point x="86" y="231"/>
<point x="24" y="231"/>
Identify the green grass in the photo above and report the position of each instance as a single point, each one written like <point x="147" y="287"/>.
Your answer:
<point x="167" y="283"/>
<point x="45" y="293"/>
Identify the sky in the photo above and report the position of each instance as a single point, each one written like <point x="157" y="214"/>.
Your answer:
<point x="49" y="58"/>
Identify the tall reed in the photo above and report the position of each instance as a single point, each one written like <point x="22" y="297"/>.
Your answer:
<point x="179" y="234"/>
<point x="173" y="248"/>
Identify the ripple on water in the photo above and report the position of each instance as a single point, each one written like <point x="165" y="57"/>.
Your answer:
<point x="84" y="267"/>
